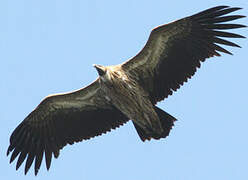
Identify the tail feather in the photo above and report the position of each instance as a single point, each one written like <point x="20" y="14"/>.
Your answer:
<point x="167" y="122"/>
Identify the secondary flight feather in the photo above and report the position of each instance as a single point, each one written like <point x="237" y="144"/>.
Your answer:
<point x="127" y="91"/>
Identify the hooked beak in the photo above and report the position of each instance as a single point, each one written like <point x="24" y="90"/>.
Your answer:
<point x="100" y="69"/>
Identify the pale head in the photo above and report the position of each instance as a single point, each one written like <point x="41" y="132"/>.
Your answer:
<point x="100" y="69"/>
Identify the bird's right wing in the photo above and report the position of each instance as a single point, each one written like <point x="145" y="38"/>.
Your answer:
<point x="174" y="51"/>
<point x="60" y="120"/>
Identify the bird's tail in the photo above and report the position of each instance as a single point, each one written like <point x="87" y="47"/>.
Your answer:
<point x="167" y="122"/>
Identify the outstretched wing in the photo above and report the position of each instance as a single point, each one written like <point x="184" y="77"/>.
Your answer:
<point x="60" y="120"/>
<point x="174" y="51"/>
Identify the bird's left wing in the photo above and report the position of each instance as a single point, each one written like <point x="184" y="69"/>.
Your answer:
<point x="60" y="120"/>
<point x="174" y="51"/>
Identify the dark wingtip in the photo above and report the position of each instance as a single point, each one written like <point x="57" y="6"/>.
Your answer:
<point x="234" y="8"/>
<point x="238" y="8"/>
<point x="29" y="162"/>
<point x="14" y="155"/>
<point x="218" y="11"/>
<point x="36" y="171"/>
<point x="8" y="151"/>
<point x="241" y="16"/>
<point x="48" y="156"/>
<point x="17" y="166"/>
<point x="48" y="166"/>
<point x="20" y="160"/>
<point x="210" y="10"/>
<point x="226" y="34"/>
<point x="26" y="170"/>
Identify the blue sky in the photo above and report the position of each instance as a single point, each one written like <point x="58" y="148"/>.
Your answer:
<point x="49" y="47"/>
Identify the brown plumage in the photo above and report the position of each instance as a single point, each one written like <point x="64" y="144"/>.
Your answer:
<point x="128" y="91"/>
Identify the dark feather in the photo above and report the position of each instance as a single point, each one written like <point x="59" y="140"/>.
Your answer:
<point x="225" y="42"/>
<point x="209" y="11"/>
<point x="214" y="14"/>
<point x="21" y="159"/>
<point x="14" y="155"/>
<point x="170" y="57"/>
<point x="48" y="155"/>
<point x="220" y="19"/>
<point x="30" y="160"/>
<point x="223" y="26"/>
<point x="225" y="34"/>
<point x="52" y="125"/>
<point x="183" y="44"/>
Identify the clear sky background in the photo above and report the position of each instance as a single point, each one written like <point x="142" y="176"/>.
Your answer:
<point x="49" y="47"/>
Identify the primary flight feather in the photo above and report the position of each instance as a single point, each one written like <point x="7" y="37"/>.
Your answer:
<point x="127" y="91"/>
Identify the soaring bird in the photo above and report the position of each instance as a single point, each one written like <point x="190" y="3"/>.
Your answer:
<point x="128" y="91"/>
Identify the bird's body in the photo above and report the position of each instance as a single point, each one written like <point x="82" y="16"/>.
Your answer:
<point x="128" y="91"/>
<point x="130" y="98"/>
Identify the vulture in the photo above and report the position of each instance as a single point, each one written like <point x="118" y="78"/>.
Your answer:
<point x="128" y="91"/>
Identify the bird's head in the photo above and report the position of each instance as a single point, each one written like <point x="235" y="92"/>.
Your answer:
<point x="100" y="69"/>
